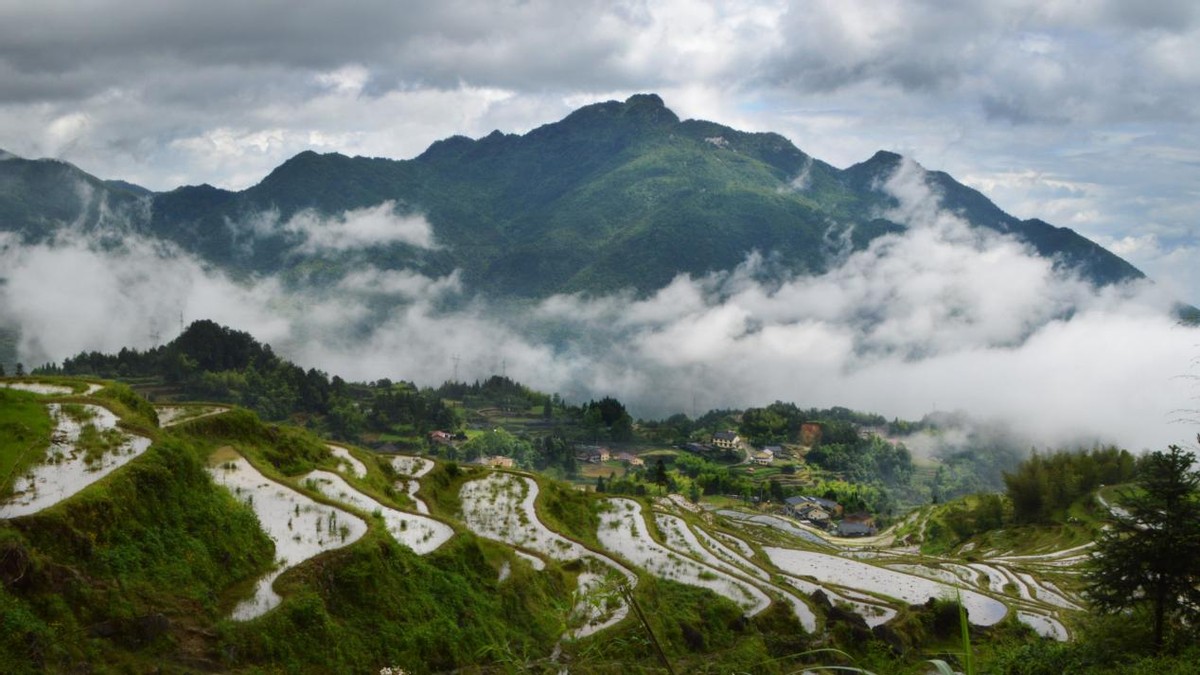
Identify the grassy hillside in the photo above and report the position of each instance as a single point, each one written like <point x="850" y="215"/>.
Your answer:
<point x="24" y="434"/>
<point x="142" y="569"/>
<point x="133" y="570"/>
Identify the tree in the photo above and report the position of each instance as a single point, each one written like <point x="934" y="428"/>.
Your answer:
<point x="660" y="472"/>
<point x="1151" y="554"/>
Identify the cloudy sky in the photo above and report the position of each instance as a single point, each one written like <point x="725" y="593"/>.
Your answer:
<point x="1084" y="114"/>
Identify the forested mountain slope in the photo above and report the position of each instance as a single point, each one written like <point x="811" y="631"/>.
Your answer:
<point x="615" y="195"/>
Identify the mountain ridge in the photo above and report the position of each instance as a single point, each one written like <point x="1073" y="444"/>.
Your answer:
<point x="614" y="195"/>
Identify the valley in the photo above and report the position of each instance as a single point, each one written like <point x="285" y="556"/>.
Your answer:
<point x="208" y="503"/>
<point x="570" y="553"/>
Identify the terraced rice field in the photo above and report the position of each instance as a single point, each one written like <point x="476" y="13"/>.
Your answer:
<point x="913" y="590"/>
<point x="412" y="468"/>
<point x="423" y="535"/>
<point x="300" y="526"/>
<point x="348" y="463"/>
<point x="39" y="388"/>
<point x="623" y="531"/>
<point x="171" y="415"/>
<point x="73" y="462"/>
<point x="752" y="559"/>
<point x="501" y="507"/>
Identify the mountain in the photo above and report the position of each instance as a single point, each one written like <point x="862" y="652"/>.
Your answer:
<point x="40" y="197"/>
<point x="615" y="195"/>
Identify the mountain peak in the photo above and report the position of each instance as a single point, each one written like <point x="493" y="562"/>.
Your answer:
<point x="864" y="175"/>
<point x="648" y="100"/>
<point x="639" y="109"/>
<point x="649" y="107"/>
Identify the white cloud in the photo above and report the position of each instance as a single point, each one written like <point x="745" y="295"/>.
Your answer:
<point x="74" y="295"/>
<point x="942" y="316"/>
<point x="359" y="229"/>
<point x="1077" y="113"/>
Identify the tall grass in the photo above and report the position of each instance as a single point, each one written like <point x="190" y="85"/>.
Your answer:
<point x="24" y="435"/>
<point x="944" y="668"/>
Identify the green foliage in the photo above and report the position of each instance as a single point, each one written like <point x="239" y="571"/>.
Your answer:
<point x="95" y="443"/>
<point x="699" y="633"/>
<point x="763" y="426"/>
<point x="569" y="511"/>
<point x="555" y="451"/>
<point x="441" y="486"/>
<point x="712" y="478"/>
<point x="376" y="603"/>
<point x="24" y="434"/>
<point x="972" y="516"/>
<point x="290" y="450"/>
<point x="977" y="466"/>
<point x="1043" y="486"/>
<point x="863" y="460"/>
<point x="155" y="539"/>
<point x="607" y="414"/>
<point x="1107" y="644"/>
<point x="130" y="407"/>
<point x="1152" y="555"/>
<point x="854" y="497"/>
<point x="498" y="442"/>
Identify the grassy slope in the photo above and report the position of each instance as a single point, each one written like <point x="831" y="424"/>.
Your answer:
<point x="141" y="568"/>
<point x="127" y="569"/>
<point x="24" y="434"/>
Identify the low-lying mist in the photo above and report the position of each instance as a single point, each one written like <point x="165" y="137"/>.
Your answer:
<point x="941" y="317"/>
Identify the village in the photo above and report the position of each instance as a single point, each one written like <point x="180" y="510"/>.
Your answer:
<point x="599" y="463"/>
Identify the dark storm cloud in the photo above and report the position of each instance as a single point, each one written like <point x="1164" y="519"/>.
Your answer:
<point x="1020" y="61"/>
<point x="440" y="43"/>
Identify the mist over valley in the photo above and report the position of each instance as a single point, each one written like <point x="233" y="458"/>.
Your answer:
<point x="884" y="287"/>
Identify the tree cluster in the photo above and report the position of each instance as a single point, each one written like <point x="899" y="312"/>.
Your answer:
<point x="213" y="362"/>
<point x="1044" y="486"/>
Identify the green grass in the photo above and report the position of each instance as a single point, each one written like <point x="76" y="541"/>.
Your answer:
<point x="25" y="427"/>
<point x="156" y="538"/>
<point x="83" y="581"/>
<point x="95" y="443"/>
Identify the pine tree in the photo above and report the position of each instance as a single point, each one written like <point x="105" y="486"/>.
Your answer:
<point x="1151" y="554"/>
<point x="660" y="472"/>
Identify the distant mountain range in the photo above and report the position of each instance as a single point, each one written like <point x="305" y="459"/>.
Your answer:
<point x="615" y="195"/>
